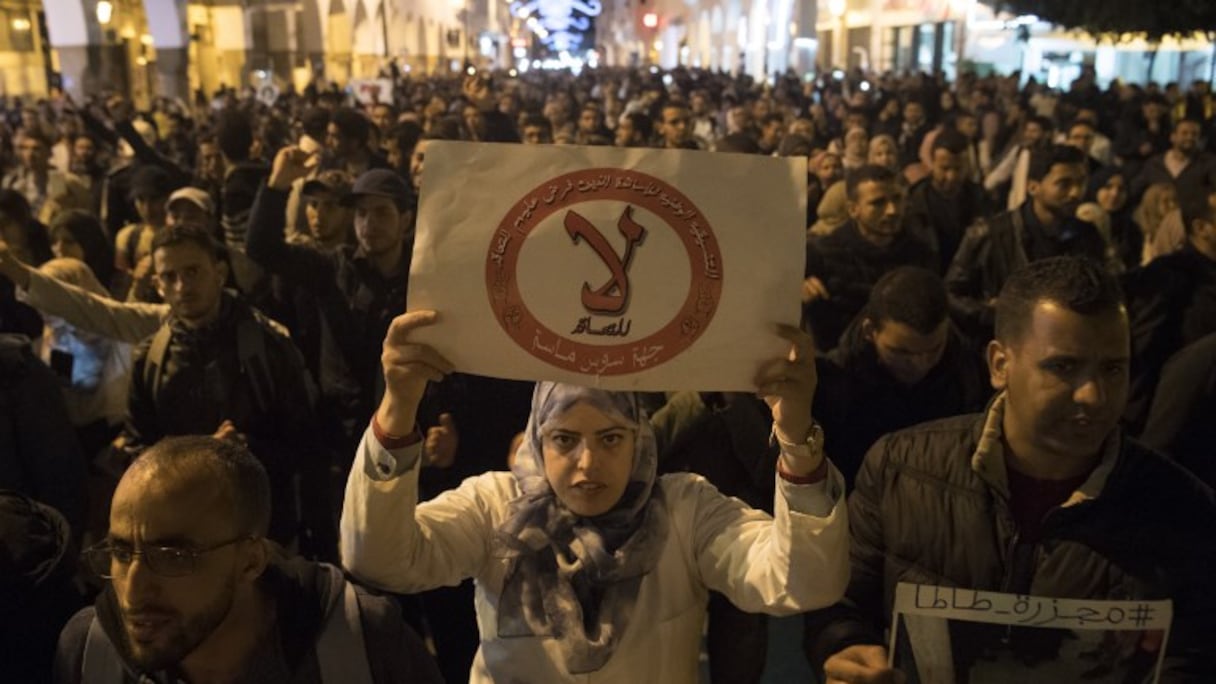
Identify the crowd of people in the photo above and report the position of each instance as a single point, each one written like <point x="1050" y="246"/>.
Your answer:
<point x="224" y="455"/>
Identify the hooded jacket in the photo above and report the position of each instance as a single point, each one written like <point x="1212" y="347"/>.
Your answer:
<point x="305" y="596"/>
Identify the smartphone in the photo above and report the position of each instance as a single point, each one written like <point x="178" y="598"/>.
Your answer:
<point x="61" y="365"/>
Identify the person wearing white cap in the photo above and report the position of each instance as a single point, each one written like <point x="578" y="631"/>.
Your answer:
<point x="190" y="205"/>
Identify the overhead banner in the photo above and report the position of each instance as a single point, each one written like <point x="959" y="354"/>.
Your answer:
<point x="616" y="268"/>
<point x="947" y="634"/>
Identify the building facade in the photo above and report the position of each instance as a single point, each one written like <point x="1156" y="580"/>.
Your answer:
<point x="174" y="47"/>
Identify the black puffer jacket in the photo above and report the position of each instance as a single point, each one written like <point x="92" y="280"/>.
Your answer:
<point x="932" y="507"/>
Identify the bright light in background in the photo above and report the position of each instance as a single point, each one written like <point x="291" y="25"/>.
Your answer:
<point x="21" y="25"/>
<point x="472" y="71"/>
<point x="654" y="70"/>
<point x="658" y="45"/>
<point x="512" y="73"/>
<point x="865" y="86"/>
<point x="520" y="52"/>
<point x="559" y="24"/>
<point x="105" y="10"/>
<point x="146" y="39"/>
<point x="650" y="20"/>
<point x="836" y="7"/>
<point x="593" y="59"/>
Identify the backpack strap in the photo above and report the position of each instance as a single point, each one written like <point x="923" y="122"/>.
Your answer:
<point x="130" y="249"/>
<point x="341" y="650"/>
<point x="101" y="663"/>
<point x="251" y="351"/>
<point x="154" y="362"/>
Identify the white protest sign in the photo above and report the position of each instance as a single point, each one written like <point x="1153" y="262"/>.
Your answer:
<point x="372" y="90"/>
<point x="1101" y="636"/>
<point x="268" y="94"/>
<point x="617" y="268"/>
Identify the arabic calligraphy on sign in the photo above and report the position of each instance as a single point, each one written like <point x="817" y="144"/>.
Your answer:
<point x="1030" y="611"/>
<point x="607" y="310"/>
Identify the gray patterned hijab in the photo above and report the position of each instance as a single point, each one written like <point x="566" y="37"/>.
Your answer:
<point x="572" y="578"/>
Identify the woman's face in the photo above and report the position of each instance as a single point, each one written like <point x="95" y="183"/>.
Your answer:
<point x="588" y="458"/>
<point x="882" y="153"/>
<point x="829" y="170"/>
<point x="1113" y="195"/>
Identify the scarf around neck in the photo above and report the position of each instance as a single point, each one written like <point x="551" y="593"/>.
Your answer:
<point x="573" y="578"/>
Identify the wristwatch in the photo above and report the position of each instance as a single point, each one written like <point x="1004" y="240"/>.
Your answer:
<point x="812" y="445"/>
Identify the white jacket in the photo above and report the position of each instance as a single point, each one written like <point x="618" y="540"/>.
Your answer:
<point x="792" y="563"/>
<point x="129" y="322"/>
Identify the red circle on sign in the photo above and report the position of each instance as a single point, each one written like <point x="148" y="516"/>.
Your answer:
<point x="591" y="185"/>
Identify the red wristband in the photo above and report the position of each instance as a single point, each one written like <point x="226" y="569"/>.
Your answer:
<point x="391" y="442"/>
<point x="817" y="475"/>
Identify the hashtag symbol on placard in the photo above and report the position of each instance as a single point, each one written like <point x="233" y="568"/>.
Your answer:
<point x="1141" y="615"/>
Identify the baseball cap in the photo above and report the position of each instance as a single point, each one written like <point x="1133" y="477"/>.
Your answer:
<point x="380" y="183"/>
<point x="334" y="181"/>
<point x="195" y="196"/>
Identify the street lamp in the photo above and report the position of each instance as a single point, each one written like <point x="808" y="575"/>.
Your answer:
<point x="105" y="10"/>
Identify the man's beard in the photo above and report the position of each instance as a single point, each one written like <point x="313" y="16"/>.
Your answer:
<point x="183" y="635"/>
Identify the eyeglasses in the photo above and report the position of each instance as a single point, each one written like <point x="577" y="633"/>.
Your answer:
<point x="166" y="561"/>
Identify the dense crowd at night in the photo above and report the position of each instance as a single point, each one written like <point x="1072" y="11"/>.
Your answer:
<point x="225" y="455"/>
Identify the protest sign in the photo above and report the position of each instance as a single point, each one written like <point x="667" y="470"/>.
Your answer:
<point x="998" y="638"/>
<point x="372" y="90"/>
<point x="616" y="268"/>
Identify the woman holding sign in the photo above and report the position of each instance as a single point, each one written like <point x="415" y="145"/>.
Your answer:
<point x="588" y="566"/>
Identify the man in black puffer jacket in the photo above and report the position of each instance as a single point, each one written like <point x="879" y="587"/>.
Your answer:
<point x="1040" y="495"/>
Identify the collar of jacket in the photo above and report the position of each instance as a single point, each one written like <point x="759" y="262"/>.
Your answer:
<point x="401" y="272"/>
<point x="231" y="306"/>
<point x="988" y="459"/>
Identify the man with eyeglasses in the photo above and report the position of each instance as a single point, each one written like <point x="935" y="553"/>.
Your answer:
<point x="196" y="592"/>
